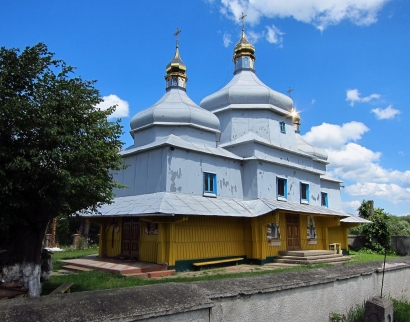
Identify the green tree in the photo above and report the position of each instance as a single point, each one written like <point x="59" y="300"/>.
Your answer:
<point x="56" y="153"/>
<point x="377" y="234"/>
<point x="398" y="226"/>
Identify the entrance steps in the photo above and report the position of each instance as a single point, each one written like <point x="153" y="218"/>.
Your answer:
<point x="128" y="269"/>
<point x="310" y="257"/>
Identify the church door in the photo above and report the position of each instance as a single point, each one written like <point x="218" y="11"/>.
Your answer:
<point x="292" y="232"/>
<point x="131" y="236"/>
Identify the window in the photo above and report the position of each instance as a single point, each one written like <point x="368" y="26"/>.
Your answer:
<point x="209" y="183"/>
<point x="282" y="189"/>
<point x="304" y="192"/>
<point x="324" y="199"/>
<point x="282" y="127"/>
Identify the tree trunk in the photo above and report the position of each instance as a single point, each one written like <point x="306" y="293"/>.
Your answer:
<point x="20" y="259"/>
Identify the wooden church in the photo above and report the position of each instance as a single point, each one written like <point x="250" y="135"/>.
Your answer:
<point x="229" y="180"/>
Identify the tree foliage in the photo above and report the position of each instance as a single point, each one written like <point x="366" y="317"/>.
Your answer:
<point x="56" y="147"/>
<point x="377" y="234"/>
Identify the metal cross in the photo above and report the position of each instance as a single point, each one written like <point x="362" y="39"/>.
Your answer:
<point x="242" y="17"/>
<point x="177" y="32"/>
<point x="290" y="90"/>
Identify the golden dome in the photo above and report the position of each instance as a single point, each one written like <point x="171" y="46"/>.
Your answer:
<point x="176" y="69"/>
<point x="243" y="54"/>
<point x="244" y="47"/>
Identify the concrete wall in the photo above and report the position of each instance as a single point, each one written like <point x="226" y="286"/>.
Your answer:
<point x="400" y="244"/>
<point x="309" y="295"/>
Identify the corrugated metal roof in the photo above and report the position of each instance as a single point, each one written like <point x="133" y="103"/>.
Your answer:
<point x="355" y="220"/>
<point x="178" y="142"/>
<point x="167" y="203"/>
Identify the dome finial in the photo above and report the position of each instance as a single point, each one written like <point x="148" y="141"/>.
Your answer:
<point x="177" y="32"/>
<point x="176" y="69"/>
<point x="242" y="17"/>
<point x="243" y="55"/>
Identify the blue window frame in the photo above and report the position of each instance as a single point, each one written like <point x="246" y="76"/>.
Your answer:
<point x="323" y="198"/>
<point x="210" y="183"/>
<point x="304" y="192"/>
<point x="282" y="127"/>
<point x="282" y="187"/>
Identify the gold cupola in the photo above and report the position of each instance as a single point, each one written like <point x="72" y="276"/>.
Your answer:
<point x="296" y="120"/>
<point x="176" y="70"/>
<point x="244" y="52"/>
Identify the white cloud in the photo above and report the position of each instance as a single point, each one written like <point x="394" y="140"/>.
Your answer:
<point x="335" y="136"/>
<point x="313" y="101"/>
<point x="387" y="113"/>
<point x="353" y="162"/>
<point x="121" y="110"/>
<point x="353" y="95"/>
<point x="253" y="36"/>
<point x="351" y="206"/>
<point x="227" y="39"/>
<point x="274" y="35"/>
<point x="391" y="192"/>
<point x="319" y="13"/>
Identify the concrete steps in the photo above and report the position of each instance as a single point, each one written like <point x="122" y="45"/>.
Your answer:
<point x="149" y="271"/>
<point x="310" y="257"/>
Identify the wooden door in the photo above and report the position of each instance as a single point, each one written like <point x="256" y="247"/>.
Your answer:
<point x="292" y="232"/>
<point x="131" y="236"/>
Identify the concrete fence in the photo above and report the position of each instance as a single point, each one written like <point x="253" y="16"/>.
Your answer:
<point x="400" y="244"/>
<point x="309" y="295"/>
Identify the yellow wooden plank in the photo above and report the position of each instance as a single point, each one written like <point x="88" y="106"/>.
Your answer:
<point x="219" y="261"/>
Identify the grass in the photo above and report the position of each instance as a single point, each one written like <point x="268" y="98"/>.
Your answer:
<point x="401" y="313"/>
<point x="96" y="280"/>
<point x="366" y="256"/>
<point x="355" y="314"/>
<point x="70" y="253"/>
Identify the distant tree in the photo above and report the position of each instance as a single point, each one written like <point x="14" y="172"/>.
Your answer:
<point x="56" y="152"/>
<point x="398" y="226"/>
<point x="377" y="234"/>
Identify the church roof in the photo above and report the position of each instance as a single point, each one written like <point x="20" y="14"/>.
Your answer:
<point x="246" y="88"/>
<point x="175" y="108"/>
<point x="173" y="140"/>
<point x="168" y="203"/>
<point x="310" y="149"/>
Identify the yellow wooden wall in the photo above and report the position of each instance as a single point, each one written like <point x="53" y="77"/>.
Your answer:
<point x="261" y="248"/>
<point x="340" y="234"/>
<point x="148" y="245"/>
<point x="196" y="237"/>
<point x="206" y="237"/>
<point x="106" y="247"/>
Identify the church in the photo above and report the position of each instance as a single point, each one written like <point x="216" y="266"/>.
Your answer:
<point x="230" y="179"/>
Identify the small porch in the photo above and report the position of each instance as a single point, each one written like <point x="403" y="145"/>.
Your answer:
<point x="126" y="268"/>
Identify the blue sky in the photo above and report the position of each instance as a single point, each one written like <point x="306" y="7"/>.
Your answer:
<point x="348" y="62"/>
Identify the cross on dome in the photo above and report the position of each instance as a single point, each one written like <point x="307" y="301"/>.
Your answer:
<point x="177" y="32"/>
<point x="242" y="17"/>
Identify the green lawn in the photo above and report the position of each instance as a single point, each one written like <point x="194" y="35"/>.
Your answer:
<point x="96" y="280"/>
<point x="361" y="257"/>
<point x="69" y="254"/>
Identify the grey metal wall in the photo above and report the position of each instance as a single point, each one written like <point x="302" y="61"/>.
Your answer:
<point x="188" y="133"/>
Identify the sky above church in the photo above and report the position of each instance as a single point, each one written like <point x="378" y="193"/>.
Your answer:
<point x="347" y="61"/>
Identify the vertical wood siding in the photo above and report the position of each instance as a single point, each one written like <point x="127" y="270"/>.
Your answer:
<point x="208" y="236"/>
<point x="148" y="245"/>
<point x="112" y="248"/>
